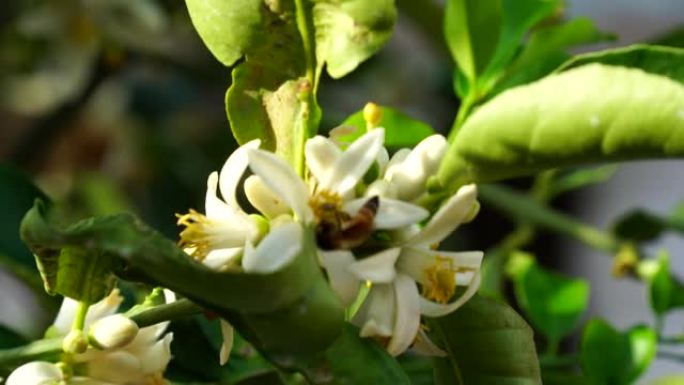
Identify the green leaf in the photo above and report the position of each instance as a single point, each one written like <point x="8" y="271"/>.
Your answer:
<point x="672" y="38"/>
<point x="17" y="194"/>
<point x="472" y="30"/>
<point x="613" y="358"/>
<point x="576" y="179"/>
<point x="10" y="338"/>
<point x="639" y="226"/>
<point x="488" y="343"/>
<point x="665" y="291"/>
<point x="594" y="113"/>
<point x="554" y="303"/>
<point x="664" y="61"/>
<point x="400" y="130"/>
<point x="228" y="28"/>
<point x="418" y="368"/>
<point x="668" y="380"/>
<point x="350" y="31"/>
<point x="546" y="50"/>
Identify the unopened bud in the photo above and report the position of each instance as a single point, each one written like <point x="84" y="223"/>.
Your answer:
<point x="75" y="342"/>
<point x="372" y="114"/>
<point x="473" y="212"/>
<point x="112" y="332"/>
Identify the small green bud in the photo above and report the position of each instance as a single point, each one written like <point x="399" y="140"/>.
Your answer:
<point x="112" y="332"/>
<point x="75" y="342"/>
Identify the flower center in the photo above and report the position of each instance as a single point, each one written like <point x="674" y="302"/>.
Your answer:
<point x="196" y="238"/>
<point x="441" y="279"/>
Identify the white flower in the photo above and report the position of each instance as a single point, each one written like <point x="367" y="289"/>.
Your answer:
<point x="218" y="237"/>
<point x="394" y="305"/>
<point x="142" y="361"/>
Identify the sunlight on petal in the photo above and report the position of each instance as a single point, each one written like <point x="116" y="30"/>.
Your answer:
<point x="407" y="321"/>
<point x="227" y="345"/>
<point x="377" y="268"/>
<point x="321" y="156"/>
<point x="344" y="284"/>
<point x="354" y="162"/>
<point x="232" y="171"/>
<point x="276" y="250"/>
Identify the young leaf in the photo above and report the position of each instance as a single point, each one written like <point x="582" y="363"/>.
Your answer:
<point x="472" y="29"/>
<point x="350" y="31"/>
<point x="488" y="343"/>
<point x="576" y="179"/>
<point x="664" y="61"/>
<point x="228" y="28"/>
<point x="639" y="226"/>
<point x="593" y="113"/>
<point x="554" y="303"/>
<point x="546" y="50"/>
<point x="400" y="130"/>
<point x="665" y="291"/>
<point x="613" y="358"/>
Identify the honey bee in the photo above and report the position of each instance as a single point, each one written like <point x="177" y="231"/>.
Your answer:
<point x="338" y="230"/>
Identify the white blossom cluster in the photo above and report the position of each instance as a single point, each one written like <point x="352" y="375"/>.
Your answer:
<point x="125" y="355"/>
<point x="375" y="242"/>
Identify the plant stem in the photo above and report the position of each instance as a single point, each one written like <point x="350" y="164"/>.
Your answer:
<point x="464" y="110"/>
<point x="80" y="317"/>
<point x="527" y="210"/>
<point x="307" y="41"/>
<point x="167" y="312"/>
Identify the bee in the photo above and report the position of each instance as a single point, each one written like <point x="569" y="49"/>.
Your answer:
<point x="338" y="230"/>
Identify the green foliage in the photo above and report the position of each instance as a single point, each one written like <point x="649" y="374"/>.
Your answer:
<point x="400" y="130"/>
<point x="472" y="29"/>
<point x="558" y="122"/>
<point x="554" y="303"/>
<point x="487" y="343"/>
<point x="350" y="31"/>
<point x="669" y="380"/>
<point x="576" y="179"/>
<point x="665" y="291"/>
<point x="664" y="61"/>
<point x="613" y="358"/>
<point x="638" y="226"/>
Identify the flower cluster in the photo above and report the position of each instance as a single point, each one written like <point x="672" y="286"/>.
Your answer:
<point x="375" y="242"/>
<point x="119" y="353"/>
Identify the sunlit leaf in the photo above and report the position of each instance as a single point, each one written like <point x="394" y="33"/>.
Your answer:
<point x="665" y="291"/>
<point x="472" y="30"/>
<point x="350" y="31"/>
<point x="488" y="343"/>
<point x="668" y="380"/>
<point x="554" y="303"/>
<point x="400" y="130"/>
<point x="614" y="358"/>
<point x="559" y="122"/>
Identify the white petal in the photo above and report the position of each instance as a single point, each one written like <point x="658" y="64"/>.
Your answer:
<point x="35" y="373"/>
<point x="407" y="321"/>
<point x="227" y="345"/>
<point x="383" y="160"/>
<point x="282" y="180"/>
<point x="119" y="366"/>
<point x="381" y="188"/>
<point x="378" y="268"/>
<point x="232" y="171"/>
<point x="157" y="357"/>
<point x="376" y="315"/>
<point x="105" y="307"/>
<point x="343" y="283"/>
<point x="263" y="198"/>
<point x="411" y="175"/>
<point x="447" y="218"/>
<point x="219" y="258"/>
<point x="354" y="162"/>
<point x="414" y="261"/>
<point x="391" y="213"/>
<point x="423" y="345"/>
<point x="395" y="162"/>
<point x="276" y="250"/>
<point x="321" y="156"/>
<point x="433" y="309"/>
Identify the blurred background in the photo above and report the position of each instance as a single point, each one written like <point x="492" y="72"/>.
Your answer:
<point x="115" y="105"/>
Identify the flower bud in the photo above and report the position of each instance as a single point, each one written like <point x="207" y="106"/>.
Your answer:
<point x="75" y="342"/>
<point x="112" y="332"/>
<point x="372" y="114"/>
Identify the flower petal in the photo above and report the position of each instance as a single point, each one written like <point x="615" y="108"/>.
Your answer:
<point x="220" y="258"/>
<point x="354" y="162"/>
<point x="407" y="321"/>
<point x="391" y="213"/>
<point x="378" y="268"/>
<point x="263" y="198"/>
<point x="321" y="156"/>
<point x="434" y="309"/>
<point x="283" y="181"/>
<point x="376" y="315"/>
<point x="105" y="307"/>
<point x="227" y="345"/>
<point x="157" y="357"/>
<point x="410" y="176"/>
<point x="119" y="367"/>
<point x="232" y="171"/>
<point x="423" y="345"/>
<point x="414" y="261"/>
<point x="343" y="283"/>
<point x="35" y="373"/>
<point x="276" y="250"/>
<point x="447" y="218"/>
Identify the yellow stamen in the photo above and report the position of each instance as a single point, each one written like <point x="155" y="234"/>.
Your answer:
<point x="441" y="278"/>
<point x="195" y="238"/>
<point x="327" y="207"/>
